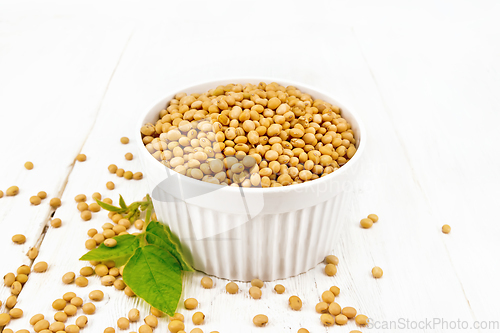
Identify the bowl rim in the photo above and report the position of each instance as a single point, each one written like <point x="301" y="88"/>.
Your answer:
<point x="270" y="190"/>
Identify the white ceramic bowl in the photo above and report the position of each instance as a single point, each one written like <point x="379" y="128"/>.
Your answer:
<point x="246" y="233"/>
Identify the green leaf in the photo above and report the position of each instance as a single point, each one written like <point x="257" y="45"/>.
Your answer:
<point x="109" y="207"/>
<point x="160" y="235"/>
<point x="122" y="202"/>
<point x="155" y="275"/>
<point x="120" y="254"/>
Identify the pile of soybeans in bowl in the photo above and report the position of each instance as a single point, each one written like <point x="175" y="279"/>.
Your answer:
<point x="264" y="135"/>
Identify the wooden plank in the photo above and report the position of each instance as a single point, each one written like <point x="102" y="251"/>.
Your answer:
<point x="439" y="86"/>
<point x="50" y="93"/>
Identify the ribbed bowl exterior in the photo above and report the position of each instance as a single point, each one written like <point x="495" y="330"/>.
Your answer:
<point x="268" y="246"/>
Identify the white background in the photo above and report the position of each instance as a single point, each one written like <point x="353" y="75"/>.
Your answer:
<point x="423" y="75"/>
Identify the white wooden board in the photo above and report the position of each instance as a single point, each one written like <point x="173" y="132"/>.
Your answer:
<point x="425" y="91"/>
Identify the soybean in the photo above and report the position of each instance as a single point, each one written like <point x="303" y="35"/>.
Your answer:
<point x="68" y="278"/>
<point x="334" y="309"/>
<point x="366" y="223"/>
<point x="11" y="302"/>
<point x="81" y="281"/>
<point x="207" y="282"/>
<point x="133" y="315"/>
<point x="59" y="304"/>
<point x="9" y="279"/>
<point x="4" y="319"/>
<point x="177" y="316"/>
<point x="145" y="329"/>
<point x="280" y="289"/>
<point x="295" y="303"/>
<point x="56" y="327"/>
<point x="35" y="200"/>
<point x="331" y="259"/>
<point x="232" y="288"/>
<point x="255" y="292"/>
<point x="60" y="316"/>
<point x="328" y="297"/>
<point x="82" y="206"/>
<point x="349" y="312"/>
<point x="12" y="191"/>
<point x="28" y="165"/>
<point x="56" y="223"/>
<point x="86" y="271"/>
<point x="77" y="301"/>
<point x="69" y="296"/>
<point x="41" y="325"/>
<point x="361" y="320"/>
<point x="86" y="215"/>
<point x="16" y="313"/>
<point x="260" y="320"/>
<point x="36" y="318"/>
<point x="330" y="269"/>
<point x="377" y="272"/>
<point x="327" y="319"/>
<point x="123" y="323"/>
<point x="94" y="207"/>
<point x="40" y="267"/>
<point x="128" y="292"/>
<point x="33" y="253"/>
<point x="19" y="239"/>
<point x="70" y="310"/>
<point x="198" y="318"/>
<point x="80" y="198"/>
<point x="112" y="168"/>
<point x="321" y="307"/>
<point x="257" y="283"/>
<point x="191" y="303"/>
<point x="55" y="202"/>
<point x="81" y="321"/>
<point x="340" y="319"/>
<point x="72" y="329"/>
<point x="151" y="321"/>
<point x="335" y="290"/>
<point x="175" y="326"/>
<point x="111" y="242"/>
<point x="24" y="269"/>
<point x="88" y="308"/>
